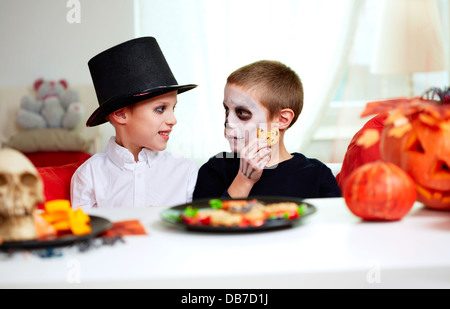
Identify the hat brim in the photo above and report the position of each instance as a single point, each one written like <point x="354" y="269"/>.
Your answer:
<point x="99" y="115"/>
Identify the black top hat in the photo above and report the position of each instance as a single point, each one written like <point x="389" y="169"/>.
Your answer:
<point x="130" y="72"/>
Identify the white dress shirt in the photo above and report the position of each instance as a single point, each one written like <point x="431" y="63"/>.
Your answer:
<point x="112" y="178"/>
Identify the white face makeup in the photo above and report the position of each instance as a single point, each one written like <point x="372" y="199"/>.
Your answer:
<point x="243" y="115"/>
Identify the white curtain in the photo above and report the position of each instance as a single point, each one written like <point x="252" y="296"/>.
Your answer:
<point x="205" y="40"/>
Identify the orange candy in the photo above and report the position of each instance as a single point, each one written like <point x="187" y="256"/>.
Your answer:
<point x="62" y="218"/>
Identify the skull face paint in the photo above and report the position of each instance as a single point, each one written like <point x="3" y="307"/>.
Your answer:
<point x="21" y="189"/>
<point x="243" y="116"/>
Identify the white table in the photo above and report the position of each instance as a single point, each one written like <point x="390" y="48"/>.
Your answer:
<point x="329" y="249"/>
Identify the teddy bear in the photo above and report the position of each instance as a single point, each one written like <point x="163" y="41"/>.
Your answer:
<point x="53" y="105"/>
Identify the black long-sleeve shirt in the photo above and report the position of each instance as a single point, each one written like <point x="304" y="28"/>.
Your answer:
<point x="299" y="177"/>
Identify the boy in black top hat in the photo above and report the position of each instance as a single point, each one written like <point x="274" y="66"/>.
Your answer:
<point x="137" y="94"/>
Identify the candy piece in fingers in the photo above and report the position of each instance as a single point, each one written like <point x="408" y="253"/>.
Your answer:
<point x="271" y="137"/>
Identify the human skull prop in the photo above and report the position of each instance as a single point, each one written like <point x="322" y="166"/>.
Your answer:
<point x="21" y="189"/>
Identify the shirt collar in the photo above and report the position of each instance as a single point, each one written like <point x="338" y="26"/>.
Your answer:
<point x="123" y="158"/>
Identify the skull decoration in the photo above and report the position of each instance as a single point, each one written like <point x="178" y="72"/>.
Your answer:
<point x="21" y="189"/>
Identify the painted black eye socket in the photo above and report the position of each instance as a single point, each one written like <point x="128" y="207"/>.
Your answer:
<point x="28" y="179"/>
<point x="243" y="114"/>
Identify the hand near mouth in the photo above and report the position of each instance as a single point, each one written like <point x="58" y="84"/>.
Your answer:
<point x="253" y="158"/>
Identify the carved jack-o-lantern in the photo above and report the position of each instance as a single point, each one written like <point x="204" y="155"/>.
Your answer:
<point x="416" y="137"/>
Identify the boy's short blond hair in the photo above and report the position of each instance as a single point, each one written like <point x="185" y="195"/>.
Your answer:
<point x="273" y="84"/>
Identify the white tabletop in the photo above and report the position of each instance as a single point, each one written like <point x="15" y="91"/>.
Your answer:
<point x="332" y="248"/>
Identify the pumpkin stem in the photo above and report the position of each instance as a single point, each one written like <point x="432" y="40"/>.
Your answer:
<point x="437" y="94"/>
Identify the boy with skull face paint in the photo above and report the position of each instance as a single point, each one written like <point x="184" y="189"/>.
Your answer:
<point x="264" y="96"/>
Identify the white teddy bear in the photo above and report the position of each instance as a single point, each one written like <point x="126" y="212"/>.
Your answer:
<point x="52" y="106"/>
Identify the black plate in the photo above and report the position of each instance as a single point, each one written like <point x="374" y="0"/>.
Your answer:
<point x="98" y="225"/>
<point x="172" y="214"/>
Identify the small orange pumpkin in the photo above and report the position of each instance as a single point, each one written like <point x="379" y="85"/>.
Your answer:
<point x="379" y="191"/>
<point x="416" y="138"/>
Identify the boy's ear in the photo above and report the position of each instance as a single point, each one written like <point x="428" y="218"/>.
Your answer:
<point x="285" y="118"/>
<point x="119" y="116"/>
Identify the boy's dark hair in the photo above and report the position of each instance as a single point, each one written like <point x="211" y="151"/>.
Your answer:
<point x="273" y="84"/>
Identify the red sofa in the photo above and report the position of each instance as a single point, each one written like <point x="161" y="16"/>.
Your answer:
<point x="56" y="170"/>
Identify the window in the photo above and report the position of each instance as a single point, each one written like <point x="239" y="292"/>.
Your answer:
<point x="359" y="86"/>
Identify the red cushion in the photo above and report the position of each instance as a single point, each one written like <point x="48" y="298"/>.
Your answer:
<point x="56" y="180"/>
<point x="56" y="158"/>
<point x="358" y="155"/>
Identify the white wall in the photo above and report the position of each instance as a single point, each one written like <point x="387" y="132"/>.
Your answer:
<point x="38" y="41"/>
